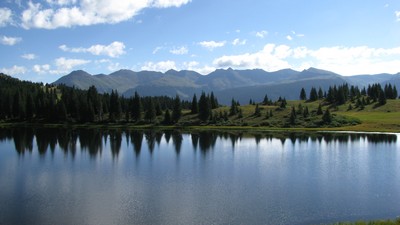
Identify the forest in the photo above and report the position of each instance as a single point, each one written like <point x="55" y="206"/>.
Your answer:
<point x="23" y="101"/>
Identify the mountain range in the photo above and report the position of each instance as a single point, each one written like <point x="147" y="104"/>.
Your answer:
<point x="226" y="84"/>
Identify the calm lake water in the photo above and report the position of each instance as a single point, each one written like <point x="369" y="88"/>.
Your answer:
<point x="60" y="176"/>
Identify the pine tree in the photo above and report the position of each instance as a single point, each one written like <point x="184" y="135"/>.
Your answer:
<point x="303" y="95"/>
<point x="213" y="101"/>
<point x="234" y="108"/>
<point x="319" y="110"/>
<point x="382" y="98"/>
<point x="136" y="110"/>
<point x="327" y="118"/>
<point x="266" y="100"/>
<point x="195" y="105"/>
<point x="177" y="109"/>
<point x="292" y="118"/>
<point x="167" y="117"/>
<point x="320" y="93"/>
<point x="313" y="94"/>
<point x="204" y="107"/>
<point x="283" y="103"/>
<point x="150" y="114"/>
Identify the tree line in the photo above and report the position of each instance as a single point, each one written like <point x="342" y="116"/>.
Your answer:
<point x="341" y="94"/>
<point x="28" y="101"/>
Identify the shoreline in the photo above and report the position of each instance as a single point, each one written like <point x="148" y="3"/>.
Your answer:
<point x="129" y="126"/>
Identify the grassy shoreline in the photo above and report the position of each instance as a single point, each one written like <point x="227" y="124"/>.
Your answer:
<point x="130" y="126"/>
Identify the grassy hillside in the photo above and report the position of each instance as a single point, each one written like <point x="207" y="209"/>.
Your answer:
<point x="384" y="118"/>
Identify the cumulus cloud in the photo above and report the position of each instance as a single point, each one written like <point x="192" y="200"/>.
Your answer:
<point x="5" y="17"/>
<point x="69" y="13"/>
<point x="29" y="56"/>
<point x="61" y="2"/>
<point x="195" y="66"/>
<point x="10" y="40"/>
<point x="339" y="59"/>
<point x="261" y="34"/>
<point x="113" y="50"/>
<point x="162" y="66"/>
<point x="237" y="41"/>
<point x="41" y="69"/>
<point x="66" y="65"/>
<point x="397" y="13"/>
<point x="289" y="37"/>
<point x="210" y="45"/>
<point x="179" y="51"/>
<point x="14" y="70"/>
<point x="269" y="58"/>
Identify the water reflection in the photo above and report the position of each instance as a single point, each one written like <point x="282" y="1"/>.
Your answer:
<point x="91" y="140"/>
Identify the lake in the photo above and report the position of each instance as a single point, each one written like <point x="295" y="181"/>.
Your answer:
<point x="88" y="176"/>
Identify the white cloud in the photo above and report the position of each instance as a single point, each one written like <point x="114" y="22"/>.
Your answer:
<point x="269" y="58"/>
<point x="10" y="40"/>
<point x="29" y="56"/>
<point x="195" y="66"/>
<point x="5" y="17"/>
<point x="15" y="70"/>
<point x="66" y="65"/>
<point x="113" y="50"/>
<point x="41" y="69"/>
<point x="170" y="3"/>
<point x="162" y="66"/>
<point x="179" y="51"/>
<point x="157" y="49"/>
<point x="61" y="2"/>
<point x="357" y="60"/>
<point x="339" y="59"/>
<point x="237" y="41"/>
<point x="397" y="13"/>
<point x="69" y="13"/>
<point x="210" y="45"/>
<point x="289" y="37"/>
<point x="261" y="34"/>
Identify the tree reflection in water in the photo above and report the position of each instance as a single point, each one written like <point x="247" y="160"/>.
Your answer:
<point x="136" y="140"/>
<point x="91" y="140"/>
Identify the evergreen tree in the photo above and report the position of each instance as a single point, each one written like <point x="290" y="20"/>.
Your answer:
<point x="136" y="110"/>
<point x="319" y="110"/>
<point x="350" y="107"/>
<point x="266" y="100"/>
<point x="320" y="93"/>
<point x="177" y="109"/>
<point x="303" y="95"/>
<point x="204" y="107"/>
<point x="61" y="111"/>
<point x="115" y="106"/>
<point x="213" y="101"/>
<point x="157" y="106"/>
<point x="283" y="103"/>
<point x="234" y="108"/>
<point x="150" y="114"/>
<point x="292" y="118"/>
<point x="195" y="105"/>
<point x="327" y="118"/>
<point x="313" y="94"/>
<point x="382" y="98"/>
<point x="30" y="107"/>
<point x="167" y="117"/>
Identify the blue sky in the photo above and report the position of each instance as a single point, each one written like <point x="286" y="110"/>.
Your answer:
<point x="42" y="40"/>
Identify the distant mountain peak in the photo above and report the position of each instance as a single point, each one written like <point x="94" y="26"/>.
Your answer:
<point x="79" y="73"/>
